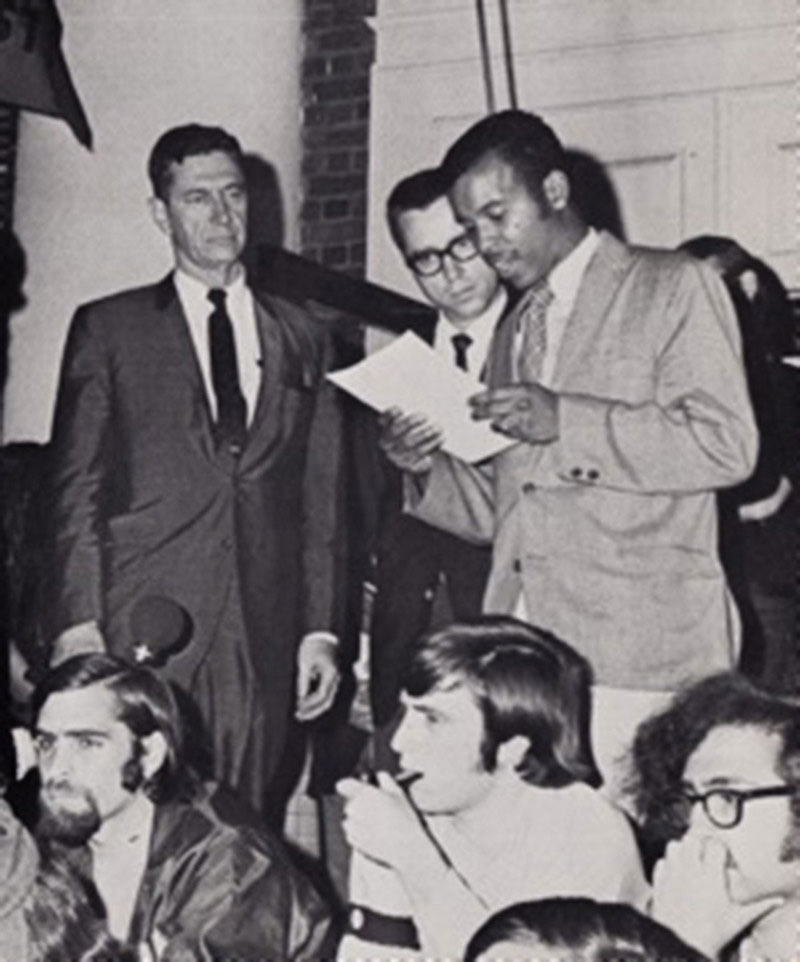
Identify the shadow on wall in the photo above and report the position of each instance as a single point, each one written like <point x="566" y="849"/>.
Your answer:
<point x="594" y="194"/>
<point x="265" y="223"/>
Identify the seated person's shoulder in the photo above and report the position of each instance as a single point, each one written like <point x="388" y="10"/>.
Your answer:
<point x="216" y="818"/>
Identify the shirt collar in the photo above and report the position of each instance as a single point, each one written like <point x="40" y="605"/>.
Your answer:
<point x="565" y="278"/>
<point x="481" y="326"/>
<point x="193" y="291"/>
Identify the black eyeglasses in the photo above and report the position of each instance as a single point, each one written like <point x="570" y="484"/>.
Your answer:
<point x="430" y="261"/>
<point x="724" y="806"/>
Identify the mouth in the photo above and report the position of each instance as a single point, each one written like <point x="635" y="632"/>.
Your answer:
<point x="62" y="794"/>
<point x="405" y="778"/>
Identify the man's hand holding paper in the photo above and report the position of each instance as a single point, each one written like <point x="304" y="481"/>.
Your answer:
<point x="426" y="401"/>
<point x="409" y="441"/>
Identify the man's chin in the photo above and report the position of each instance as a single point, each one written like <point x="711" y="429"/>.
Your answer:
<point x="70" y="827"/>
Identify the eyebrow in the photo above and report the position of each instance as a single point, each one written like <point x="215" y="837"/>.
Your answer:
<point x="429" y="712"/>
<point x="75" y="733"/>
<point x="721" y="781"/>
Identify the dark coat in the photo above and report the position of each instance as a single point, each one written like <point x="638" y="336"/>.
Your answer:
<point x="144" y="504"/>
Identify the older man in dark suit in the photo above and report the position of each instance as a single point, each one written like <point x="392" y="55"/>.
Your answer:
<point x="196" y="458"/>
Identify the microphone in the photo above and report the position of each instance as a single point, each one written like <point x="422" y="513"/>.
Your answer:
<point x="160" y="628"/>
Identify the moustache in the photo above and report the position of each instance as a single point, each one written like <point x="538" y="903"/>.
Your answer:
<point x="61" y="787"/>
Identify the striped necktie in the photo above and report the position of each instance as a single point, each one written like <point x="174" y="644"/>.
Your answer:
<point x="531" y="326"/>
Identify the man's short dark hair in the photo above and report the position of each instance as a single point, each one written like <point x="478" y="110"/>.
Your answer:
<point x="520" y="138"/>
<point x="416" y="192"/>
<point x="525" y="682"/>
<point x="190" y="140"/>
<point x="665" y="742"/>
<point x="144" y="703"/>
<point x="599" y="931"/>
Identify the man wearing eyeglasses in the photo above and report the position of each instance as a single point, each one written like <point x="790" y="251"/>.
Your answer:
<point x="718" y="775"/>
<point x="412" y="556"/>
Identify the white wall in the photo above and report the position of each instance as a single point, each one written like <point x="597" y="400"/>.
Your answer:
<point x="691" y="105"/>
<point x="140" y="66"/>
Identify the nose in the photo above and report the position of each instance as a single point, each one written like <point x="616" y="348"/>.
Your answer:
<point x="484" y="237"/>
<point x="221" y="211"/>
<point x="404" y="736"/>
<point x="451" y="268"/>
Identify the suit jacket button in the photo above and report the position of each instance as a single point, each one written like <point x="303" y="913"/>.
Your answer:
<point x="528" y="488"/>
<point x="517" y="565"/>
<point x="576" y="473"/>
<point x="592" y="474"/>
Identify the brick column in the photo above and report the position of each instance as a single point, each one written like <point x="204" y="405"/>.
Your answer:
<point x="8" y="154"/>
<point x="339" y="50"/>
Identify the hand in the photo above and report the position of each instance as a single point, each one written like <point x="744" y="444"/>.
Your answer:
<point x="409" y="441"/>
<point x="317" y="675"/>
<point x="691" y="895"/>
<point x="381" y="822"/>
<point x="525" y="412"/>
<point x="78" y="639"/>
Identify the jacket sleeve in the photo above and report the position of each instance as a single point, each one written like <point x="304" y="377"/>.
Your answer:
<point x="323" y="507"/>
<point x="233" y="901"/>
<point x="698" y="432"/>
<point x="455" y="496"/>
<point x="79" y="461"/>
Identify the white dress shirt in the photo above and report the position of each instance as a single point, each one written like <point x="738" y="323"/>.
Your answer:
<point x="193" y="295"/>
<point x="120" y="851"/>
<point x="480" y="330"/>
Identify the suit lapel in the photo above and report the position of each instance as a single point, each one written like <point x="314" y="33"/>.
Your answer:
<point x="266" y="424"/>
<point x="605" y="272"/>
<point x="178" y="343"/>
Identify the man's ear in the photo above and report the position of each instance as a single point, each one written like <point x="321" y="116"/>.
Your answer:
<point x="154" y="753"/>
<point x="556" y="189"/>
<point x="160" y="215"/>
<point x="511" y="753"/>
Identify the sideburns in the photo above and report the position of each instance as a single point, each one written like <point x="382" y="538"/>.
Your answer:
<point x="132" y="772"/>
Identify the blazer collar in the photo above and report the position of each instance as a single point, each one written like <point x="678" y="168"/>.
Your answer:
<point x="607" y="268"/>
<point x="605" y="272"/>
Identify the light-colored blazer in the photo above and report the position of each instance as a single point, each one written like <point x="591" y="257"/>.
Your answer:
<point x="610" y="532"/>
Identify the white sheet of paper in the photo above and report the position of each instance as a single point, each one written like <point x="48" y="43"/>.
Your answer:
<point x="410" y="375"/>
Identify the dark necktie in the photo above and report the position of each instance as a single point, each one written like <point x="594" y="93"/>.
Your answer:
<point x="231" y="424"/>
<point x="532" y="326"/>
<point x="461" y="344"/>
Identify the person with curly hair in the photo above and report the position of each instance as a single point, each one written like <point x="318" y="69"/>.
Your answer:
<point x="717" y="777"/>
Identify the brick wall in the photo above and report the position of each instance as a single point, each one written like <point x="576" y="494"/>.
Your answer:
<point x="339" y="50"/>
<point x="8" y="152"/>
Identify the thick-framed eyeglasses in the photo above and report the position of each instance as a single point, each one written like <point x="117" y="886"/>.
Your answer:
<point x="430" y="261"/>
<point x="724" y="807"/>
